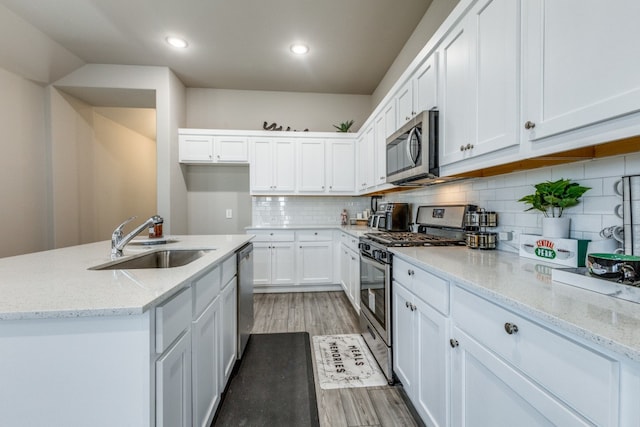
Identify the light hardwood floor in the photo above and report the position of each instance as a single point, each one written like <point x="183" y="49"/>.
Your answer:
<point x="326" y="313"/>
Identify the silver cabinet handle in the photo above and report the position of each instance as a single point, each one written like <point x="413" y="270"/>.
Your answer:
<point x="453" y="343"/>
<point x="529" y="125"/>
<point x="511" y="328"/>
<point x="413" y="307"/>
<point x="406" y="304"/>
<point x="462" y="148"/>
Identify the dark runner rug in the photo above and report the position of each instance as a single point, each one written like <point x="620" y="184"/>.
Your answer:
<point x="274" y="384"/>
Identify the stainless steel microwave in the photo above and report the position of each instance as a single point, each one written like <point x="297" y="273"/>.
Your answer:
<point x="412" y="151"/>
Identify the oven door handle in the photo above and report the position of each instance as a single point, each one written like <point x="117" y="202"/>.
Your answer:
<point x="373" y="262"/>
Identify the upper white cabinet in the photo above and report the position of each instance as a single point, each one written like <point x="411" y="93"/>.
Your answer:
<point x="581" y="64"/>
<point x="366" y="159"/>
<point x="273" y="165"/>
<point x="419" y="93"/>
<point x="341" y="171"/>
<point x="200" y="148"/>
<point x="479" y="81"/>
<point x="311" y="165"/>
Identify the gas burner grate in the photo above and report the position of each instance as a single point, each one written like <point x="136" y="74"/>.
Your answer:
<point x="402" y="238"/>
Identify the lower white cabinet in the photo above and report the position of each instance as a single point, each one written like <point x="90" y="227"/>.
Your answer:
<point x="274" y="259"/>
<point x="173" y="385"/>
<point x="315" y="256"/>
<point x="420" y="354"/>
<point x="228" y="302"/>
<point x="205" y="364"/>
<point x="350" y="275"/>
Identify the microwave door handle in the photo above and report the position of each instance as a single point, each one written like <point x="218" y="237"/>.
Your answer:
<point x="409" y="153"/>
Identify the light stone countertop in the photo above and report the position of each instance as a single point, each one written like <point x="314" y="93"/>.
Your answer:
<point x="57" y="283"/>
<point x="354" y="230"/>
<point x="525" y="285"/>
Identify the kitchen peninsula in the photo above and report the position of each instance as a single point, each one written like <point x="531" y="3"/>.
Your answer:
<point x="115" y="347"/>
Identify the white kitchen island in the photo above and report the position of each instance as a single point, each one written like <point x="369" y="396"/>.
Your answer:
<point x="81" y="347"/>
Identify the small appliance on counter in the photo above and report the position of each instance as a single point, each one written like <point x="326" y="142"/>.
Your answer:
<point x="391" y="217"/>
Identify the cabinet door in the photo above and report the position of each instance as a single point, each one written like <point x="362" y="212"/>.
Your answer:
<point x="488" y="392"/>
<point x="404" y="351"/>
<point x="581" y="63"/>
<point x="456" y="98"/>
<point x="431" y="397"/>
<point x="380" y="148"/>
<point x="194" y="148"/>
<point x="284" y="166"/>
<point x="173" y="385"/>
<point x="366" y="161"/>
<point x="231" y="149"/>
<point x="354" y="279"/>
<point x="229" y="331"/>
<point x="390" y="120"/>
<point x="311" y="165"/>
<point x="261" y="169"/>
<point x="496" y="73"/>
<point x="205" y="364"/>
<point x="405" y="103"/>
<point x="341" y="165"/>
<point x="315" y="262"/>
<point x="283" y="266"/>
<point x="261" y="263"/>
<point x="425" y="85"/>
<point x="345" y="276"/>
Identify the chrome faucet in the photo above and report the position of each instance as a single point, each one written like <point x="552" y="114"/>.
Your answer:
<point x="118" y="242"/>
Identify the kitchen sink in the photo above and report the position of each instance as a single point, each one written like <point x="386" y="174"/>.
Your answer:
<point x="166" y="258"/>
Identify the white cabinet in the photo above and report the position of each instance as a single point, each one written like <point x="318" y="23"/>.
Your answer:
<point x="173" y="365"/>
<point x="479" y="82"/>
<point x="272" y="168"/>
<point x="420" y="340"/>
<point x="231" y="149"/>
<point x="419" y="93"/>
<point x="341" y="171"/>
<point x="311" y="166"/>
<point x="202" y="148"/>
<point x="580" y="64"/>
<point x="532" y="374"/>
<point x="205" y="363"/>
<point x="404" y="103"/>
<point x="205" y="347"/>
<point x="273" y="258"/>
<point x="350" y="269"/>
<point x="228" y="334"/>
<point x="315" y="256"/>
<point x="366" y="159"/>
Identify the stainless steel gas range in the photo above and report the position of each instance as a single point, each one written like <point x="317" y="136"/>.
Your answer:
<point x="436" y="226"/>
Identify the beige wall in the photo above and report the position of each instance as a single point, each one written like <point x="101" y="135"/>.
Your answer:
<point x="427" y="26"/>
<point x="211" y="191"/>
<point x="102" y="172"/>
<point x="23" y="167"/>
<point x="248" y="110"/>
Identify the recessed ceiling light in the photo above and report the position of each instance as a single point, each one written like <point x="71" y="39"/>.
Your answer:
<point x="299" y="49"/>
<point x="177" y="42"/>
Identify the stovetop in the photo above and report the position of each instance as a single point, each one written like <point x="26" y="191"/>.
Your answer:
<point x="407" y="238"/>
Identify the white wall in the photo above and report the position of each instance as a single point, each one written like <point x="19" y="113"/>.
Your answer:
<point x="249" y="109"/>
<point x="24" y="197"/>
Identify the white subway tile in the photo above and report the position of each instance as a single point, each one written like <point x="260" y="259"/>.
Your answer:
<point x="632" y="164"/>
<point x="608" y="166"/>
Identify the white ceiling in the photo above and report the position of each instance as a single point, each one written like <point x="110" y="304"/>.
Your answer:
<point x="237" y="44"/>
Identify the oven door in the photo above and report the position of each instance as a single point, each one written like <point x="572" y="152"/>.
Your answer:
<point x="375" y="295"/>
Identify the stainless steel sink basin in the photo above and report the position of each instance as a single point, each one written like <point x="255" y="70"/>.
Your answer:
<point x="166" y="258"/>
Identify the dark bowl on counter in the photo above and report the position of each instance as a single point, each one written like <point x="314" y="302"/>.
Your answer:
<point x="613" y="266"/>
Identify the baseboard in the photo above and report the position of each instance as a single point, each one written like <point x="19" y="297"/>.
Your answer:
<point x="296" y="288"/>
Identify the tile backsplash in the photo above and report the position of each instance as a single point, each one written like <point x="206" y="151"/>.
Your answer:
<point x="499" y="194"/>
<point x="288" y="210"/>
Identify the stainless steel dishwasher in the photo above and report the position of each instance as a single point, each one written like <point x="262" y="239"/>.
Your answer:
<point x="245" y="296"/>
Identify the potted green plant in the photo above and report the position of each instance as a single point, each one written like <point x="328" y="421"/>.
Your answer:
<point x="552" y="198"/>
<point x="344" y="126"/>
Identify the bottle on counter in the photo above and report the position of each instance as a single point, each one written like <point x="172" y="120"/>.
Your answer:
<point x="155" y="231"/>
<point x="344" y="217"/>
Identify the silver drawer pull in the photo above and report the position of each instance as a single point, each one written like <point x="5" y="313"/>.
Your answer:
<point x="511" y="328"/>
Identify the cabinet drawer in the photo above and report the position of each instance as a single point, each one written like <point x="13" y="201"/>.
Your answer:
<point x="172" y="318"/>
<point x="229" y="268"/>
<point x="580" y="376"/>
<point x="428" y="287"/>
<point x="349" y="241"/>
<point x="205" y="289"/>
<point x="315" y="235"/>
<point x="272" y="236"/>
